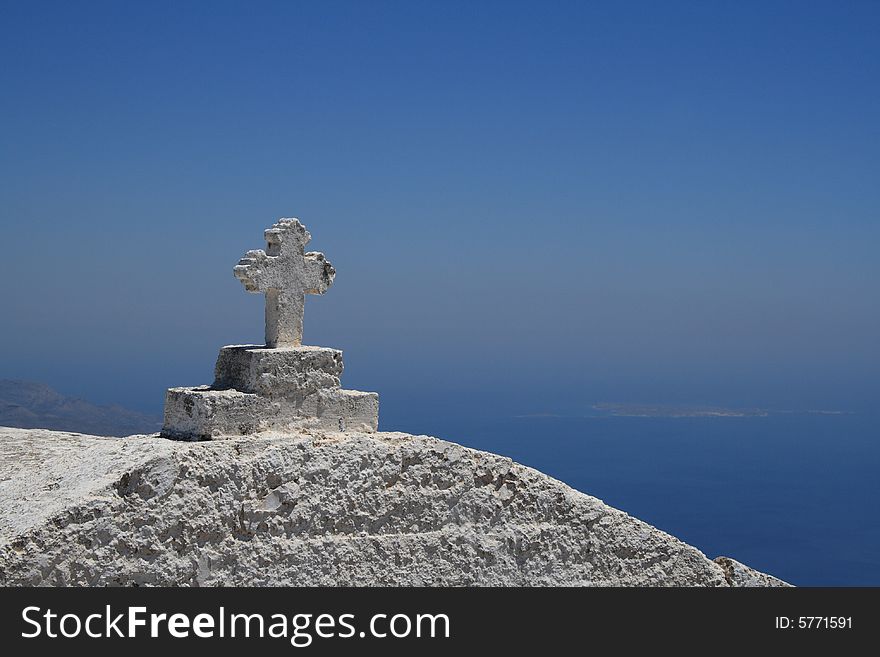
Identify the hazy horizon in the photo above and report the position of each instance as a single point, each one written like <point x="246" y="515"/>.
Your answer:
<point x="529" y="210"/>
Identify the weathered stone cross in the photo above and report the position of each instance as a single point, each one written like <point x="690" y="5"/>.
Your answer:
<point x="286" y="275"/>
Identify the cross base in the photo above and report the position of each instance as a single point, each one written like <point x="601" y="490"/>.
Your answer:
<point x="204" y="413"/>
<point x="287" y="372"/>
<point x="260" y="389"/>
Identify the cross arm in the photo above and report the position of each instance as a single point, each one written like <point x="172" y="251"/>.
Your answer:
<point x="255" y="271"/>
<point x="319" y="273"/>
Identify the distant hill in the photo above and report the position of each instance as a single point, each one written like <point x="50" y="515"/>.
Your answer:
<point x="30" y="405"/>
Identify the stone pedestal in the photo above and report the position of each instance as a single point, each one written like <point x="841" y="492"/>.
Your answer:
<point x="260" y="389"/>
<point x="287" y="372"/>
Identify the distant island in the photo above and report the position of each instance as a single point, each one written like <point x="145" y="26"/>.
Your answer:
<point x="663" y="410"/>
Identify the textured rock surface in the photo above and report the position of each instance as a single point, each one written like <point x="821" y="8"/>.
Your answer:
<point x="738" y="574"/>
<point x="204" y="413"/>
<point x="358" y="509"/>
<point x="279" y="373"/>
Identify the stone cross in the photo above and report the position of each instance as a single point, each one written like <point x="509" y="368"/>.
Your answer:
<point x="286" y="275"/>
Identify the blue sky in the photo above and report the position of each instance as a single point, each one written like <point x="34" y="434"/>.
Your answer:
<point x="531" y="206"/>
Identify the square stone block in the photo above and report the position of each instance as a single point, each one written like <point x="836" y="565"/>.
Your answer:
<point x="205" y="413"/>
<point x="348" y="410"/>
<point x="287" y="372"/>
<point x="202" y="413"/>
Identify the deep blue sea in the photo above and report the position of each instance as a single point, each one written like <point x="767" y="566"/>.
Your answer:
<point x="795" y="495"/>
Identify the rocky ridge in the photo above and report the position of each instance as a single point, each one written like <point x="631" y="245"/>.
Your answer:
<point x="311" y="509"/>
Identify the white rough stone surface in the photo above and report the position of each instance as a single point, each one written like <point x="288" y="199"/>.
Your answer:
<point x="738" y="574"/>
<point x="278" y="373"/>
<point x="300" y="509"/>
<point x="204" y="413"/>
